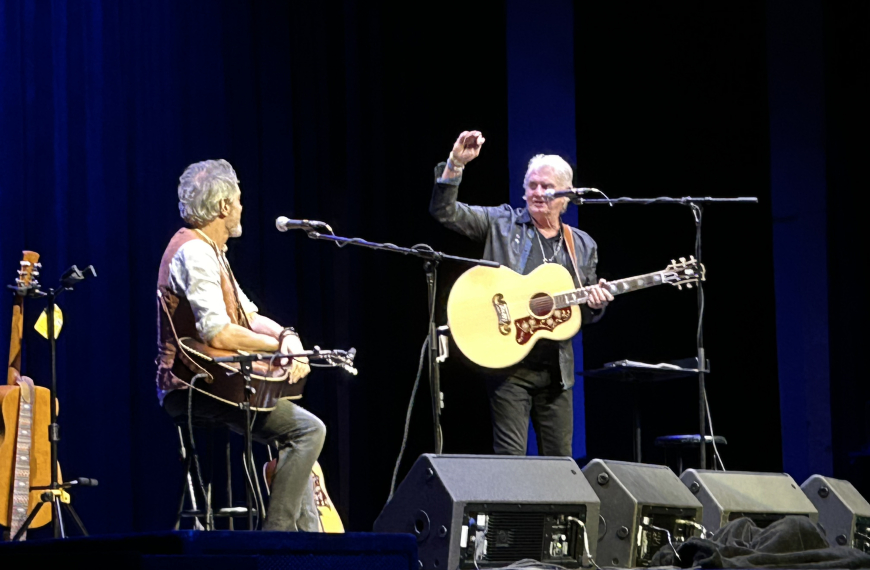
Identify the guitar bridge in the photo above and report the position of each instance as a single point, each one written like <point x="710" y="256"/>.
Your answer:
<point x="502" y="313"/>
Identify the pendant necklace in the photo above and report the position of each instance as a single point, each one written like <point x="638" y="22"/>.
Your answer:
<point x="555" y="249"/>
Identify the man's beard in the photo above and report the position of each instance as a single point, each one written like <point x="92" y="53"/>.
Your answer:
<point x="236" y="231"/>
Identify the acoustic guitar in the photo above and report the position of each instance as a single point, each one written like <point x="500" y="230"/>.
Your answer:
<point x="224" y="380"/>
<point x="497" y="315"/>
<point x="326" y="511"/>
<point x="25" y="451"/>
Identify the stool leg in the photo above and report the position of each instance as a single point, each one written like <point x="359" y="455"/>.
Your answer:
<point x="186" y="484"/>
<point x="229" y="480"/>
<point x="187" y="488"/>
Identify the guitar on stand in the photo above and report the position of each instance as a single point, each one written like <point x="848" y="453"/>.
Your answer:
<point x="497" y="315"/>
<point x="45" y="486"/>
<point x="25" y="453"/>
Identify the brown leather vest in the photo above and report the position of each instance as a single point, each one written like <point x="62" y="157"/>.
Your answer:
<point x="173" y="370"/>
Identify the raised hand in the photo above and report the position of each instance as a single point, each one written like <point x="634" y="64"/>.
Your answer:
<point x="467" y="147"/>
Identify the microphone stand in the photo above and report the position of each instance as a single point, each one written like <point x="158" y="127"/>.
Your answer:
<point x="430" y="258"/>
<point x="696" y="204"/>
<point x="55" y="492"/>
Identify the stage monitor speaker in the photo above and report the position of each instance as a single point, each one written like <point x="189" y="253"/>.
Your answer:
<point x="643" y="507"/>
<point x="762" y="497"/>
<point x="843" y="512"/>
<point x="487" y="511"/>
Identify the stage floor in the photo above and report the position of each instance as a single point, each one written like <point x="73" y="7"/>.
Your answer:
<point x="239" y="550"/>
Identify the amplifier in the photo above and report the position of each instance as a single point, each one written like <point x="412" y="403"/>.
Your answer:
<point x="843" y="513"/>
<point x="762" y="497"/>
<point x="488" y="511"/>
<point x="643" y="507"/>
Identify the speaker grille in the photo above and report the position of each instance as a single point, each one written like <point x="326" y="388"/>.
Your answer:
<point x="514" y="536"/>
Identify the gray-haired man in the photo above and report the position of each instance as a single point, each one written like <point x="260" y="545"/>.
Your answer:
<point x="522" y="239"/>
<point x="209" y="305"/>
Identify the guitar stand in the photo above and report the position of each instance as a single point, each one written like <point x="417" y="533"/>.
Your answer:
<point x="58" y="498"/>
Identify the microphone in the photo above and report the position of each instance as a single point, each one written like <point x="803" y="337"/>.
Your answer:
<point x="570" y="192"/>
<point x="283" y="224"/>
<point x="81" y="482"/>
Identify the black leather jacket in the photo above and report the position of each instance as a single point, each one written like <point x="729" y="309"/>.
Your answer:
<point x="508" y="235"/>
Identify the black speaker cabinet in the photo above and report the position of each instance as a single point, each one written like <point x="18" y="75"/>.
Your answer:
<point x="843" y="512"/>
<point x="762" y="497"/>
<point x="643" y="507"/>
<point x="486" y="511"/>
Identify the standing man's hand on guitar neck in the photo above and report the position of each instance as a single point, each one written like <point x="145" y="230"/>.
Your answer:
<point x="599" y="296"/>
<point x="465" y="149"/>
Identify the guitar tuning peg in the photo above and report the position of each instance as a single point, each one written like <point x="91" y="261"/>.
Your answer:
<point x="692" y="258"/>
<point x="682" y="260"/>
<point x="680" y="287"/>
<point x="673" y="262"/>
<point x="688" y="285"/>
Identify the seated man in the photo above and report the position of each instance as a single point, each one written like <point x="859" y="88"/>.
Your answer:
<point x="205" y="301"/>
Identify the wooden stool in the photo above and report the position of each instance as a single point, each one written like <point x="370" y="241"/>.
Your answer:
<point x="681" y="443"/>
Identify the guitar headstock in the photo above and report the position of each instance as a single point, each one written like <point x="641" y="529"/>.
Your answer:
<point x="685" y="272"/>
<point x="27" y="283"/>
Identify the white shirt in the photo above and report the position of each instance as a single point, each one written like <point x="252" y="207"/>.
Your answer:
<point x="195" y="274"/>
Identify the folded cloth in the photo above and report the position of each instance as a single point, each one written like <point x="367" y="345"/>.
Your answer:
<point x="791" y="542"/>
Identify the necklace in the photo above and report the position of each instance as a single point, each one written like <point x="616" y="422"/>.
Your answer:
<point x="555" y="249"/>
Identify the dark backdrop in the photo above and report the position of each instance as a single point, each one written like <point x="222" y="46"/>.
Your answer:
<point x="339" y="112"/>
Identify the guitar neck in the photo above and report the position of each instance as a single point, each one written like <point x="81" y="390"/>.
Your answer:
<point x="579" y="296"/>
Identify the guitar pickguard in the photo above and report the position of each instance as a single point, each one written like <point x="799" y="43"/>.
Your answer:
<point x="528" y="326"/>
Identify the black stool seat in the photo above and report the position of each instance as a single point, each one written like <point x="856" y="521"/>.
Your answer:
<point x="692" y="440"/>
<point x="677" y="444"/>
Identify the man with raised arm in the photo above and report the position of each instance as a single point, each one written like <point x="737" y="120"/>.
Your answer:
<point x="522" y="239"/>
<point x="201" y="298"/>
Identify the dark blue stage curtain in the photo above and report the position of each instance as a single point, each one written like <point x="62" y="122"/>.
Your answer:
<point x="326" y="111"/>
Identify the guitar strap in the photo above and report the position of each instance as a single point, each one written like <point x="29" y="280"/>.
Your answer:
<point x="569" y="241"/>
<point x="20" y="503"/>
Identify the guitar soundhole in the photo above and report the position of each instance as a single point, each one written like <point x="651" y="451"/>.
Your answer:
<point x="541" y="305"/>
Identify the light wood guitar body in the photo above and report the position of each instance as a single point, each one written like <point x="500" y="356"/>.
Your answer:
<point x="40" y="456"/>
<point x="497" y="315"/>
<point x="491" y="318"/>
<point x="329" y="519"/>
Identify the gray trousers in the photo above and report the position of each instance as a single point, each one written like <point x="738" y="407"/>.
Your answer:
<point x="299" y="435"/>
<point x="535" y="394"/>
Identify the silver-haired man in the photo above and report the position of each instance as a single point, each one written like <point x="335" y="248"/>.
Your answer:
<point x="522" y="239"/>
<point x="207" y="303"/>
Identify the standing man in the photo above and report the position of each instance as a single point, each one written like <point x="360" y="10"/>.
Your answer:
<point x="200" y="298"/>
<point x="522" y="239"/>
